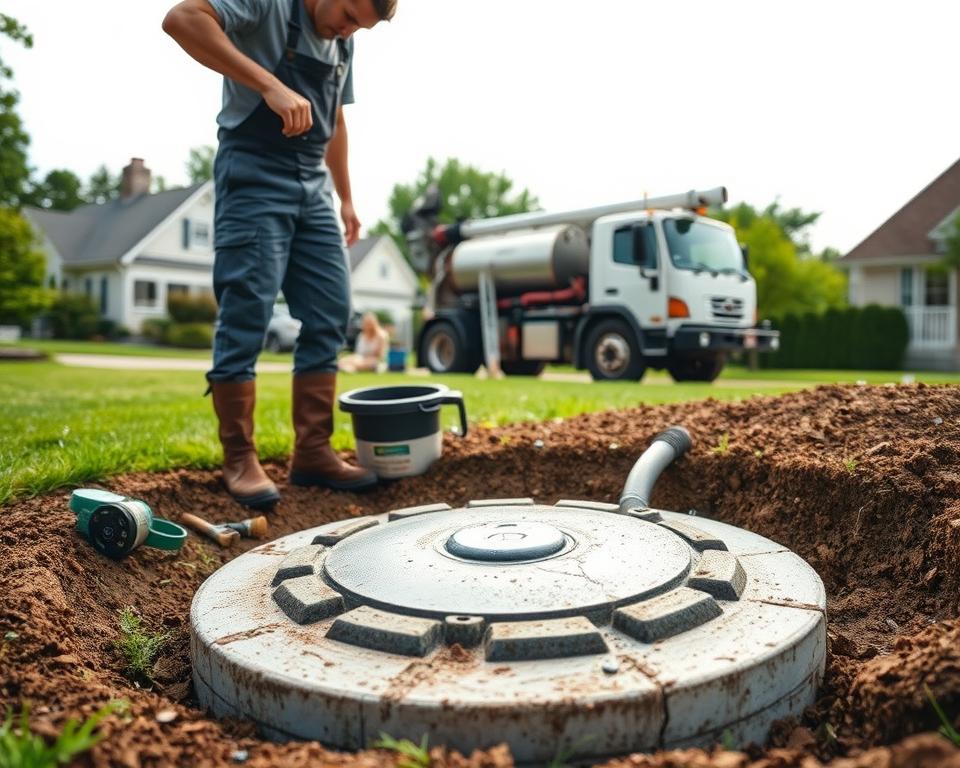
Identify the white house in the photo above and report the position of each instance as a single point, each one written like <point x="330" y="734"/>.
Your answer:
<point x="900" y="264"/>
<point x="131" y="253"/>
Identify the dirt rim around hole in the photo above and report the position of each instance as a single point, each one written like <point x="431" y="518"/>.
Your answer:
<point x="862" y="482"/>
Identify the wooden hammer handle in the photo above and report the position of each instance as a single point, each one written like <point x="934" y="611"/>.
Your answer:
<point x="225" y="538"/>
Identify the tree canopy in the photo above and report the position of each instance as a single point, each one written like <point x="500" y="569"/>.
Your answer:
<point x="790" y="279"/>
<point x="200" y="164"/>
<point x="467" y="193"/>
<point x="22" y="292"/>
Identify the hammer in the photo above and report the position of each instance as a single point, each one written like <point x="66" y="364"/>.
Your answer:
<point x="226" y="534"/>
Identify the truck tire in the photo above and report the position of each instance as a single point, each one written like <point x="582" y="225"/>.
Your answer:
<point x="703" y="367"/>
<point x="443" y="351"/>
<point x="522" y="367"/>
<point x="613" y="353"/>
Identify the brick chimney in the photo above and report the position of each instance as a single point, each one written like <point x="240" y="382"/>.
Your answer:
<point x="135" y="180"/>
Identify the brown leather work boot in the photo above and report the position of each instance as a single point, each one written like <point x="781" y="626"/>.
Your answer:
<point x="314" y="461"/>
<point x="242" y="474"/>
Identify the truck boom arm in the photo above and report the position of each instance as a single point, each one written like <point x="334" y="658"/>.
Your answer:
<point x="585" y="216"/>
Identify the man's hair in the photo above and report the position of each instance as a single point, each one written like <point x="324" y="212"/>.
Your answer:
<point x="385" y="9"/>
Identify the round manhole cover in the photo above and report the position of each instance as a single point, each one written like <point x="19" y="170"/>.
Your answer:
<point x="512" y="621"/>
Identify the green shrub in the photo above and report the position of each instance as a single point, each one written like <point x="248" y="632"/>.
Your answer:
<point x="190" y="335"/>
<point x="74" y="316"/>
<point x="855" y="338"/>
<point x="184" y="308"/>
<point x="155" y="329"/>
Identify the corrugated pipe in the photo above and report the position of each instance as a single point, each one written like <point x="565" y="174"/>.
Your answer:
<point x="670" y="444"/>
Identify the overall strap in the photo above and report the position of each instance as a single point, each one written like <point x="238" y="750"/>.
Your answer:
<point x="293" y="29"/>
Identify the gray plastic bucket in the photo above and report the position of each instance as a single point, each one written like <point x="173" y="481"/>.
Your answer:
<point x="397" y="428"/>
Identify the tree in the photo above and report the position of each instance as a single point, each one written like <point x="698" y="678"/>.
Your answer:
<point x="786" y="281"/>
<point x="14" y="168"/>
<point x="102" y="186"/>
<point x="466" y="191"/>
<point x="22" y="292"/>
<point x="60" y="190"/>
<point x="200" y="164"/>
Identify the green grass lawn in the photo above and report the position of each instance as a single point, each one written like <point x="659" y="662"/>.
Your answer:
<point x="65" y="426"/>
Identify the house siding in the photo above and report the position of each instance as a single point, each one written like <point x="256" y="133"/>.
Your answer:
<point x="168" y="243"/>
<point x="879" y="285"/>
<point x="384" y="281"/>
<point x="163" y="277"/>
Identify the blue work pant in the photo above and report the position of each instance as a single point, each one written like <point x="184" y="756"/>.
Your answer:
<point x="275" y="228"/>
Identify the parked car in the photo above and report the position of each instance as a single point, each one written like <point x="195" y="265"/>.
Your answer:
<point x="282" y="330"/>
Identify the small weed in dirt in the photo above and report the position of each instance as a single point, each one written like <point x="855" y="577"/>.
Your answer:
<point x="723" y="444"/>
<point x="727" y="741"/>
<point x="849" y="464"/>
<point x="946" y="728"/>
<point x="412" y="755"/>
<point x="826" y="735"/>
<point x="204" y="564"/>
<point x="9" y="638"/>
<point x="139" y="647"/>
<point x="21" y="748"/>
<point x="563" y="757"/>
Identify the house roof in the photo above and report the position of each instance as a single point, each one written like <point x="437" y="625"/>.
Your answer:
<point x="93" y="234"/>
<point x="907" y="232"/>
<point x="361" y="249"/>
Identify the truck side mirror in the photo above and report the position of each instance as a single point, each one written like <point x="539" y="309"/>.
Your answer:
<point x="745" y="250"/>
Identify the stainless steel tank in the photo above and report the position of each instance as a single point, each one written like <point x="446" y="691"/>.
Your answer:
<point x="536" y="260"/>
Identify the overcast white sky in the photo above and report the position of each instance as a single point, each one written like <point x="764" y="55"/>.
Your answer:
<point x="848" y="107"/>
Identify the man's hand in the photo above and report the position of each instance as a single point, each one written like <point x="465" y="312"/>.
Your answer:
<point x="350" y="222"/>
<point x="293" y="109"/>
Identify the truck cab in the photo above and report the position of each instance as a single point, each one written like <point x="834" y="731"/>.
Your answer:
<point x="679" y="283"/>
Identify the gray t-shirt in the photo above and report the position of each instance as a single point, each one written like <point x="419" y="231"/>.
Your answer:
<point x="259" y="29"/>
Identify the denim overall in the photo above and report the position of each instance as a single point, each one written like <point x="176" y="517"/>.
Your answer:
<point x="275" y="226"/>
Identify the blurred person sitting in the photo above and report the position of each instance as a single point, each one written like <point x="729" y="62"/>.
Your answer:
<point x="373" y="341"/>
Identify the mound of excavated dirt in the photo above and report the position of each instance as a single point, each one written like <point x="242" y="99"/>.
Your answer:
<point x="863" y="482"/>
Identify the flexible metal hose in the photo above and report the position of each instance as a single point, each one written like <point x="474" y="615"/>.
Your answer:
<point x="670" y="444"/>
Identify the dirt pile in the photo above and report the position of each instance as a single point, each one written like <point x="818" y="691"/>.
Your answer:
<point x="863" y="482"/>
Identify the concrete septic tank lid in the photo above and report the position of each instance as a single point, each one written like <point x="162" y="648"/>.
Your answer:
<point x="548" y="627"/>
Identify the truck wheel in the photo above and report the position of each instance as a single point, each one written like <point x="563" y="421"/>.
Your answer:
<point x="697" y="367"/>
<point x="522" y="367"/>
<point x="612" y="352"/>
<point x="443" y="351"/>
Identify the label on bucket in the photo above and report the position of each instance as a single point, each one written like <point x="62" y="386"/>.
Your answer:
<point x="400" y="459"/>
<point x="391" y="450"/>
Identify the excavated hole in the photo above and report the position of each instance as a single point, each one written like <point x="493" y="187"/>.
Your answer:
<point x="861" y="482"/>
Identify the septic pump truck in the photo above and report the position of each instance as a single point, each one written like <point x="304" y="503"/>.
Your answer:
<point x="616" y="289"/>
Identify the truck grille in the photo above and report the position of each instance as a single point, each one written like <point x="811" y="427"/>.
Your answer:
<point x="726" y="309"/>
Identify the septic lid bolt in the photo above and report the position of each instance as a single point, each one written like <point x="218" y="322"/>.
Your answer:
<point x="611" y="666"/>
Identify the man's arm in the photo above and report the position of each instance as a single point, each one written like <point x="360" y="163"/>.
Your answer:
<point x="197" y="27"/>
<point x="339" y="170"/>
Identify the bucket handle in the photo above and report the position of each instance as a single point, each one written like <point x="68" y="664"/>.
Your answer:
<point x="453" y="397"/>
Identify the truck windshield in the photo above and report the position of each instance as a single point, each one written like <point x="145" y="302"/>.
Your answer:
<point x="698" y="246"/>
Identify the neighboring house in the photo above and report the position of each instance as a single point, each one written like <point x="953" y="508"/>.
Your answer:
<point x="382" y="280"/>
<point x="130" y="254"/>
<point x="899" y="264"/>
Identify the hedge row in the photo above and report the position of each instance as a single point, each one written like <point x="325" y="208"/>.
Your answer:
<point x="857" y="338"/>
